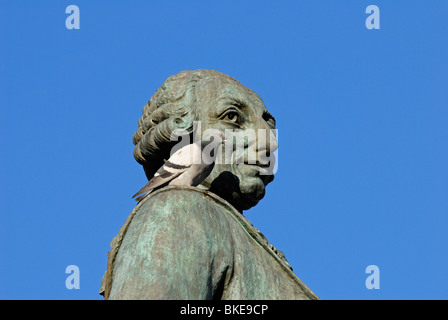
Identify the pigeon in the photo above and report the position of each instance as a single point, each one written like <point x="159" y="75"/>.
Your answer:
<point x="188" y="166"/>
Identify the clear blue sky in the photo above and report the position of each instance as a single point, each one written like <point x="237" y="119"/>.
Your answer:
<point x="362" y="118"/>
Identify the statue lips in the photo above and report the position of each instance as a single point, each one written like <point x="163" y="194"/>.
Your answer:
<point x="263" y="165"/>
<point x="260" y="171"/>
<point x="263" y="172"/>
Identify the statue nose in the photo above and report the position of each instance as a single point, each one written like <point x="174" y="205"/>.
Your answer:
<point x="266" y="137"/>
<point x="273" y="142"/>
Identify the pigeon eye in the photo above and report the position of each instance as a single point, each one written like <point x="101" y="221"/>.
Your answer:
<point x="232" y="116"/>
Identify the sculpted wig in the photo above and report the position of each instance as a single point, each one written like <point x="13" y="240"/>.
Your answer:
<point x="172" y="107"/>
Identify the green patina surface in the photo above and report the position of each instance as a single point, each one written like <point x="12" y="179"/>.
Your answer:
<point x="187" y="243"/>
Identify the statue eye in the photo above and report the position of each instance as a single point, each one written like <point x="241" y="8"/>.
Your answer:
<point x="232" y="116"/>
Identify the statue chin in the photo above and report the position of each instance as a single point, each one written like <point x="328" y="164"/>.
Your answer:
<point x="242" y="185"/>
<point x="252" y="190"/>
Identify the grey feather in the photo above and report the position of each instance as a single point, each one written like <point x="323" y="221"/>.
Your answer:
<point x="184" y="167"/>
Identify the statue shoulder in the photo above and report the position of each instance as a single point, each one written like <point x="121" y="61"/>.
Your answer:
<point x="184" y="200"/>
<point x="175" y="225"/>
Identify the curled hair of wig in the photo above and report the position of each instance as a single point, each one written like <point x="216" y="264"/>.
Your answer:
<point x="173" y="106"/>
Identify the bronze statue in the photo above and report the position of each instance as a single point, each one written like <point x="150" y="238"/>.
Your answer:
<point x="186" y="242"/>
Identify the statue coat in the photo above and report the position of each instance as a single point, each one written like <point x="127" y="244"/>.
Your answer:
<point x="187" y="243"/>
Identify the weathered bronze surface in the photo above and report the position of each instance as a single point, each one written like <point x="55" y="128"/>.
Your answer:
<point x="195" y="243"/>
<point x="187" y="243"/>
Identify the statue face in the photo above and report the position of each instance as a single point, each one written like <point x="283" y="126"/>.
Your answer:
<point x="227" y="105"/>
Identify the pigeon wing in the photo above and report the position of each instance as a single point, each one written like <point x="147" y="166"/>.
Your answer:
<point x="177" y="164"/>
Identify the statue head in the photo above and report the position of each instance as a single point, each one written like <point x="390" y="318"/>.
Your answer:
<point x="196" y="101"/>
